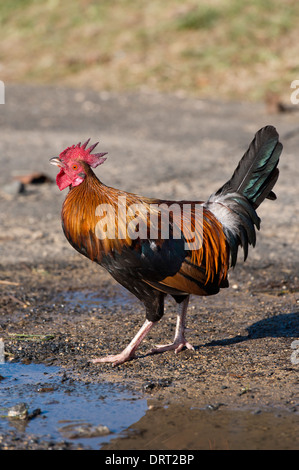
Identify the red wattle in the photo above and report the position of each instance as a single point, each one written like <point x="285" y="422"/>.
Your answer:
<point x="62" y="180"/>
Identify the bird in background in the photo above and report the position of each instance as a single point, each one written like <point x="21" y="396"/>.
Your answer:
<point x="191" y="255"/>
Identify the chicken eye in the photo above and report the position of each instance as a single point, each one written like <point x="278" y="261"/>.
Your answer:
<point x="75" y="167"/>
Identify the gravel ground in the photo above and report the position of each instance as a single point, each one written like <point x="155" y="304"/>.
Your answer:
<point x="163" y="146"/>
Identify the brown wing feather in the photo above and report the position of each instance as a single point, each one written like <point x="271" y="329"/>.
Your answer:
<point x="202" y="272"/>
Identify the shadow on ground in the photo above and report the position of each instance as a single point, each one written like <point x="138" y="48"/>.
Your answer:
<point x="279" y="326"/>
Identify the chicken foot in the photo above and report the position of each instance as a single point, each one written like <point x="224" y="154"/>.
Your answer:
<point x="129" y="352"/>
<point x="179" y="341"/>
<point x="178" y="344"/>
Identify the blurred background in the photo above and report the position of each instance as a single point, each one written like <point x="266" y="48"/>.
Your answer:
<point x="217" y="48"/>
<point x="168" y="87"/>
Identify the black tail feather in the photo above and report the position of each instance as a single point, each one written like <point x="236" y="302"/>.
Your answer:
<point x="252" y="182"/>
<point x="257" y="172"/>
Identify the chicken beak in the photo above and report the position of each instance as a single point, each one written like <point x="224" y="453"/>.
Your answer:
<point x="56" y="161"/>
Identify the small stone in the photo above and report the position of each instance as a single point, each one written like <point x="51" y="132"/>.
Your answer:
<point x="87" y="430"/>
<point x="19" y="411"/>
<point x="214" y="407"/>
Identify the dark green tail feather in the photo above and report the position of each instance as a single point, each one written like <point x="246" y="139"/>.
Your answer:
<point x="257" y="171"/>
<point x="251" y="183"/>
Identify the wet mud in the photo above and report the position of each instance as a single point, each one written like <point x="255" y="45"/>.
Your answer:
<point x="242" y="374"/>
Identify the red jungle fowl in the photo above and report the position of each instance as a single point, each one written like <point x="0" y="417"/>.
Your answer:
<point x="191" y="255"/>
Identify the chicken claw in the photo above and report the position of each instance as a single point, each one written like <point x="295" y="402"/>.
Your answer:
<point x="116" y="359"/>
<point x="179" y="341"/>
<point x="176" y="345"/>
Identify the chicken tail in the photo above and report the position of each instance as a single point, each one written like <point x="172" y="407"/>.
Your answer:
<point x="235" y="203"/>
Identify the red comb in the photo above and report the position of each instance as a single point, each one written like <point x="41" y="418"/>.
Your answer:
<point x="81" y="153"/>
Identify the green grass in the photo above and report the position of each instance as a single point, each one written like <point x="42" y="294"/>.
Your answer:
<point x="223" y="48"/>
<point x="200" y="17"/>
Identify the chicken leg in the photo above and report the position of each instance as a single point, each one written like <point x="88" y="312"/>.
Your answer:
<point x="179" y="340"/>
<point x="129" y="352"/>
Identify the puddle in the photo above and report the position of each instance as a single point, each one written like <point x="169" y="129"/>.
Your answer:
<point x="108" y="417"/>
<point x="69" y="410"/>
<point x="93" y="300"/>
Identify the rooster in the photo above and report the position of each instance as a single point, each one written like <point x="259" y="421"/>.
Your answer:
<point x="190" y="252"/>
